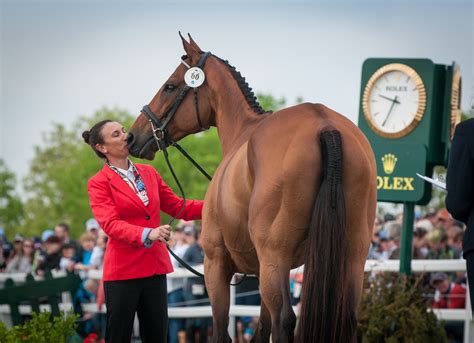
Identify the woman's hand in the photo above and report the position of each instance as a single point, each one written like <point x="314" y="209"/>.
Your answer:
<point x="161" y="233"/>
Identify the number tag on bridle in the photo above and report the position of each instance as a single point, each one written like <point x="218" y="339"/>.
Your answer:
<point x="194" y="77"/>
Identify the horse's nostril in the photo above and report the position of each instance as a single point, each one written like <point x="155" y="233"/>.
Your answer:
<point x="130" y="139"/>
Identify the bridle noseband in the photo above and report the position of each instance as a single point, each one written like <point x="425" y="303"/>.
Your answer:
<point x="158" y="126"/>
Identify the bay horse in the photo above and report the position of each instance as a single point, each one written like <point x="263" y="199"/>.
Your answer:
<point x="294" y="187"/>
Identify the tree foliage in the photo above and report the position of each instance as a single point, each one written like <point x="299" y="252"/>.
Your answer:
<point x="11" y="207"/>
<point x="270" y="103"/>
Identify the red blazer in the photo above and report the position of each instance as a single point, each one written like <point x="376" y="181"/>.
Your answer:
<point x="123" y="217"/>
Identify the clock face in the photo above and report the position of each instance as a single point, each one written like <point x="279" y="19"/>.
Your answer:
<point x="394" y="100"/>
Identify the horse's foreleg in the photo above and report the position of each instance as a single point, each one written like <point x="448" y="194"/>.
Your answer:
<point x="218" y="273"/>
<point x="275" y="290"/>
<point x="262" y="334"/>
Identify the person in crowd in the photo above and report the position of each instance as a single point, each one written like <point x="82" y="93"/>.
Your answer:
<point x="40" y="249"/>
<point x="6" y="249"/>
<point x="17" y="246"/>
<point x="454" y="230"/>
<point x="88" y="289"/>
<point x="51" y="257"/>
<point x="388" y="217"/>
<point x="68" y="254"/>
<point x="390" y="241"/>
<point x="38" y="245"/>
<point x="62" y="231"/>
<point x="46" y="234"/>
<point x="448" y="294"/>
<point x="444" y="219"/>
<point x="92" y="288"/>
<point x="126" y="200"/>
<point x="432" y="217"/>
<point x="175" y="285"/>
<point x="246" y="328"/>
<point x="97" y="256"/>
<point x="22" y="262"/>
<point x="439" y="248"/>
<point x="93" y="227"/>
<point x="460" y="187"/>
<point x="3" y="261"/>
<point x="420" y="243"/>
<point x="456" y="244"/>
<point x="374" y="249"/>
<point x="425" y="224"/>
<point x="394" y="231"/>
<point x="87" y="243"/>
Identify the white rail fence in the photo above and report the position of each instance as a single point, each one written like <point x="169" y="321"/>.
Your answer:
<point x="243" y="310"/>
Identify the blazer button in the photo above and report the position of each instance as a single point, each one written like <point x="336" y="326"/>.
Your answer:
<point x="147" y="217"/>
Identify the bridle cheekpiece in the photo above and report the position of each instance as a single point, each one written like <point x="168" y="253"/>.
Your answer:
<point x="159" y="126"/>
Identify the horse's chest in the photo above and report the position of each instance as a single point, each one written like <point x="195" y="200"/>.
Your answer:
<point x="226" y="212"/>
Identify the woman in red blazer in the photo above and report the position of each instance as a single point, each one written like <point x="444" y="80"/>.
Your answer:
<point x="126" y="199"/>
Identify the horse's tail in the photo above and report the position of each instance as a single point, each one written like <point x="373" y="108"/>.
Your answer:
<point x="327" y="303"/>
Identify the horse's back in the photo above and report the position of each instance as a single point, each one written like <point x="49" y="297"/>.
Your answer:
<point x="285" y="160"/>
<point x="264" y="192"/>
<point x="287" y="142"/>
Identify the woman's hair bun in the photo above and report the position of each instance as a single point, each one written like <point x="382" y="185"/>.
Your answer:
<point x="86" y="135"/>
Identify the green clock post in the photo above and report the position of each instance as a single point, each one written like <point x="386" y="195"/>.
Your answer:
<point x="406" y="111"/>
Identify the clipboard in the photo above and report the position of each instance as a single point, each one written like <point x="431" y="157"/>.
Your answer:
<point x="436" y="183"/>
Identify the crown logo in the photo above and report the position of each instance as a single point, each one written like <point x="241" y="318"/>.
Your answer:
<point x="389" y="161"/>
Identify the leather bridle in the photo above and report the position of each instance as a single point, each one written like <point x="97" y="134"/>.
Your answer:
<point x="158" y="125"/>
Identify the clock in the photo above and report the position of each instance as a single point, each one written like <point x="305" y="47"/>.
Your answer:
<point x="455" y="106"/>
<point x="394" y="100"/>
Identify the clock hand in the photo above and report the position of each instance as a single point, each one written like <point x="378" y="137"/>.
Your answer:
<point x="390" y="110"/>
<point x="386" y="97"/>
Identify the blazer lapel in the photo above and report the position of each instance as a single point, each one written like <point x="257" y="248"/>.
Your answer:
<point x="120" y="185"/>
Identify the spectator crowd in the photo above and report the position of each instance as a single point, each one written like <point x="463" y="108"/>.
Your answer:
<point x="436" y="236"/>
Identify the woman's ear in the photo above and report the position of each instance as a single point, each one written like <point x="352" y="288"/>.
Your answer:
<point x="101" y="148"/>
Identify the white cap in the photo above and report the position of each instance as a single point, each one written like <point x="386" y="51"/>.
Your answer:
<point x="92" y="224"/>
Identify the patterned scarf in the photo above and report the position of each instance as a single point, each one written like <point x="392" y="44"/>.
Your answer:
<point x="134" y="180"/>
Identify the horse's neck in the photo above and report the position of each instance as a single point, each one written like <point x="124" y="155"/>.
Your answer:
<point x="235" y="126"/>
<point x="234" y="119"/>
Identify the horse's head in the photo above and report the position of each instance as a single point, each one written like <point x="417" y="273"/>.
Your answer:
<point x="181" y="106"/>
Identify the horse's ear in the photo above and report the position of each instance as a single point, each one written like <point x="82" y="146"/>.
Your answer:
<point x="193" y="43"/>
<point x="185" y="42"/>
<point x="191" y="49"/>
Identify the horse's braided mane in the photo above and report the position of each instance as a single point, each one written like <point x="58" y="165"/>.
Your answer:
<point x="245" y="88"/>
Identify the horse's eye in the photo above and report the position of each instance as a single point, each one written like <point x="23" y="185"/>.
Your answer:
<point x="169" y="88"/>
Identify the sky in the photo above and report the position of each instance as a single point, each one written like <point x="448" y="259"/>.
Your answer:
<point x="63" y="59"/>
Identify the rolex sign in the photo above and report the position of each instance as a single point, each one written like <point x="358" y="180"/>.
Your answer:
<point x="397" y="165"/>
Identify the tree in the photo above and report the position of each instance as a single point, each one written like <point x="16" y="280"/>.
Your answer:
<point x="270" y="103"/>
<point x="11" y="207"/>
